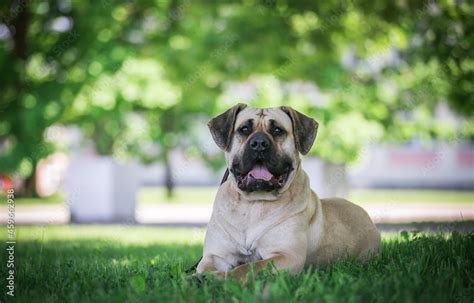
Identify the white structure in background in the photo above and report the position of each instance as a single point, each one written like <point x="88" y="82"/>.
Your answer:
<point x="99" y="189"/>
<point x="326" y="179"/>
<point x="393" y="166"/>
<point x="50" y="173"/>
<point x="185" y="171"/>
<point x="412" y="166"/>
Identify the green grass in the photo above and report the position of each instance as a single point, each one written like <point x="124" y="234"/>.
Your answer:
<point x="185" y="194"/>
<point x="205" y="195"/>
<point x="54" y="199"/>
<point x="145" y="264"/>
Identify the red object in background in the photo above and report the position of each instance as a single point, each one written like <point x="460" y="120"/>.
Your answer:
<point x="6" y="183"/>
<point x="465" y="158"/>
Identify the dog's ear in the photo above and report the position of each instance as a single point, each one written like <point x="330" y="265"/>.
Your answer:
<point x="222" y="126"/>
<point x="304" y="129"/>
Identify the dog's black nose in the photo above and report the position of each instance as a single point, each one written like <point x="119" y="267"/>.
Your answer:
<point x="259" y="142"/>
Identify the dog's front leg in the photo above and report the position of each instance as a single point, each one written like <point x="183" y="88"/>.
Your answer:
<point x="206" y="264"/>
<point x="290" y="263"/>
<point x="214" y="263"/>
<point x="211" y="264"/>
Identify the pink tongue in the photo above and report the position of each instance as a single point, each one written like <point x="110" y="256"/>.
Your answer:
<point x="260" y="172"/>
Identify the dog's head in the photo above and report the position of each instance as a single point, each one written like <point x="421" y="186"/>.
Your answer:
<point x="262" y="147"/>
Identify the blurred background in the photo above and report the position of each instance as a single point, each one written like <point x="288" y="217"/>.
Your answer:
<point x="104" y="104"/>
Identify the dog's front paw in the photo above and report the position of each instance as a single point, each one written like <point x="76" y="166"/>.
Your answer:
<point x="200" y="278"/>
<point x="197" y="278"/>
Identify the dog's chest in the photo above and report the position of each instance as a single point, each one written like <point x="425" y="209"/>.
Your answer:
<point x="246" y="225"/>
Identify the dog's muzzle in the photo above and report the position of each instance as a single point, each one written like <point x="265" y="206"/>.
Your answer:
<point x="260" y="168"/>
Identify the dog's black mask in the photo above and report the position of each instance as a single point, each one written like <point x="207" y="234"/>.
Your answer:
<point x="260" y="168"/>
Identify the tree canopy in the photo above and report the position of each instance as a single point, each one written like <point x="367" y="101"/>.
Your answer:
<point x="136" y="74"/>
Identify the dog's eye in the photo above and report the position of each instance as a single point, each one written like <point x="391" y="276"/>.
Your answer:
<point x="244" y="130"/>
<point x="277" y="131"/>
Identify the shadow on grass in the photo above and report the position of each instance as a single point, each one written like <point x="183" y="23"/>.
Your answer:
<point x="96" y="270"/>
<point x="411" y="267"/>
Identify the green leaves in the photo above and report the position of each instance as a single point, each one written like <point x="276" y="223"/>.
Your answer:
<point x="373" y="64"/>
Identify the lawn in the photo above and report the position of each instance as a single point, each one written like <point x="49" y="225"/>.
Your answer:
<point x="145" y="264"/>
<point x="205" y="195"/>
<point x="54" y="199"/>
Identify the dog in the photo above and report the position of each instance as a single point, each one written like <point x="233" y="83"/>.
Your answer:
<point x="265" y="212"/>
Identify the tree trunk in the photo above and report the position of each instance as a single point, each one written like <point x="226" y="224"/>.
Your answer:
<point x="20" y="24"/>
<point x="169" y="183"/>
<point x="29" y="186"/>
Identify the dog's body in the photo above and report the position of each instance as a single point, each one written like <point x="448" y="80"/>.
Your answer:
<point x="266" y="210"/>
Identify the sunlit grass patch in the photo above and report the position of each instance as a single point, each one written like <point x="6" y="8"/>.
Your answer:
<point x="124" y="234"/>
<point x="205" y="196"/>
